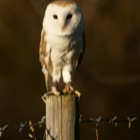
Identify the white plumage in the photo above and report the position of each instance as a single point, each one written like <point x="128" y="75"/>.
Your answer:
<point x="62" y="44"/>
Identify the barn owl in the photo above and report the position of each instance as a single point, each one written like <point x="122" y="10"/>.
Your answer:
<point x="62" y="45"/>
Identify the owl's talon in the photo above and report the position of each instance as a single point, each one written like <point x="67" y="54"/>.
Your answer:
<point x="70" y="90"/>
<point x="78" y="94"/>
<point x="57" y="93"/>
<point x="54" y="91"/>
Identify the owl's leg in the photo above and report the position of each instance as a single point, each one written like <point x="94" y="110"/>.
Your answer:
<point x="56" y="78"/>
<point x="67" y="79"/>
<point x="68" y="88"/>
<point x="54" y="89"/>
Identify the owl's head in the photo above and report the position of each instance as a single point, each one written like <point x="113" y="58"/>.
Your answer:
<point x="63" y="18"/>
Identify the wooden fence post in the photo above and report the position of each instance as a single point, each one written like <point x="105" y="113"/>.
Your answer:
<point x="61" y="120"/>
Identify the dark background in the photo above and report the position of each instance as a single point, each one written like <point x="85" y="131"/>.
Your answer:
<point x="108" y="78"/>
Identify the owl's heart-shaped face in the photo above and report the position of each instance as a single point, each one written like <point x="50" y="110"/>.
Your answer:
<point x="63" y="18"/>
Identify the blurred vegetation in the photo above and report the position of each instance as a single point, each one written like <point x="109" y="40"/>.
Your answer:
<point x="108" y="78"/>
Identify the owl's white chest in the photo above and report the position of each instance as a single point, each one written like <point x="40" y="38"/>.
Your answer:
<point x="60" y="43"/>
<point x="63" y="49"/>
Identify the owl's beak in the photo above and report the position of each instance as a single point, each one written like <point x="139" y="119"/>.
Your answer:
<point x="62" y="25"/>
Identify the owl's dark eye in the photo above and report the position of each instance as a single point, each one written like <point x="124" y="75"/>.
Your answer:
<point x="69" y="16"/>
<point x="55" y="17"/>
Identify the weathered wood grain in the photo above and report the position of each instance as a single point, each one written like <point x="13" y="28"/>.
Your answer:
<point x="60" y="117"/>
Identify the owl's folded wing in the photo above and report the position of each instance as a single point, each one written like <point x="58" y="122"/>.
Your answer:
<point x="44" y="58"/>
<point x="82" y="51"/>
